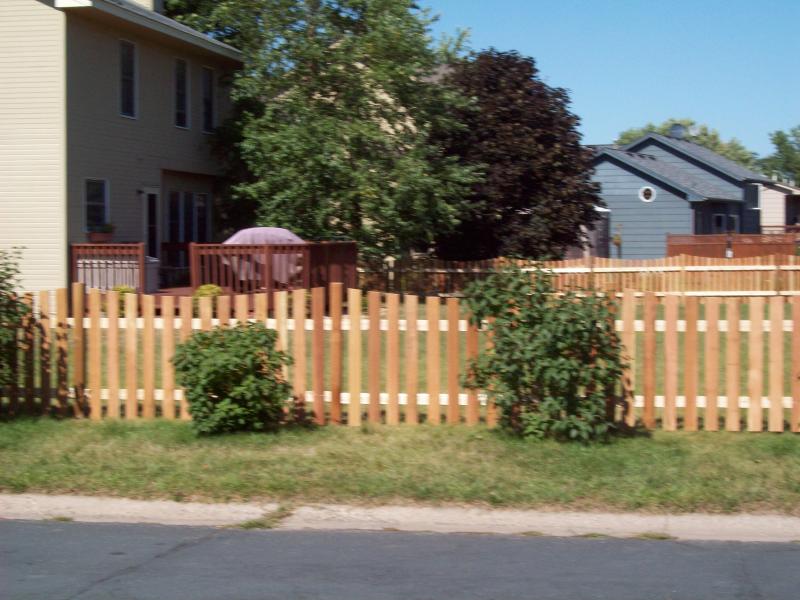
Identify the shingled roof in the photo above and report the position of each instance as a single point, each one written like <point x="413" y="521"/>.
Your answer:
<point x="670" y="174"/>
<point x="702" y="154"/>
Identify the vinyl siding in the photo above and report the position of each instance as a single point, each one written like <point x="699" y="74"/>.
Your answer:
<point x="132" y="154"/>
<point x="773" y="207"/>
<point x="32" y="144"/>
<point x="644" y="226"/>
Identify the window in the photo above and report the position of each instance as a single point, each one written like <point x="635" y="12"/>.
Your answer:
<point x="181" y="94"/>
<point x="127" y="70"/>
<point x="722" y="223"/>
<point x="96" y="201"/>
<point x="647" y="194"/>
<point x="208" y="100"/>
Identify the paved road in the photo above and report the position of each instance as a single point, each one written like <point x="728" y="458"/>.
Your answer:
<point x="60" y="561"/>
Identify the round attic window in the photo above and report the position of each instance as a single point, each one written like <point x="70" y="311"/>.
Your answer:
<point x="647" y="194"/>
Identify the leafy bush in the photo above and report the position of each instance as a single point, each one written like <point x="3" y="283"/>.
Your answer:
<point x="12" y="310"/>
<point x="208" y="290"/>
<point x="556" y="360"/>
<point x="122" y="290"/>
<point x="232" y="378"/>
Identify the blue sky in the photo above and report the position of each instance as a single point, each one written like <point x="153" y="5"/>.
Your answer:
<point x="732" y="64"/>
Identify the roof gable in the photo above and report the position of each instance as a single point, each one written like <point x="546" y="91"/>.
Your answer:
<point x="701" y="154"/>
<point x="670" y="175"/>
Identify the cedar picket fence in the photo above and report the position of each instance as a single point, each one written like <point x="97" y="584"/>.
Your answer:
<point x="713" y="363"/>
<point x="737" y="276"/>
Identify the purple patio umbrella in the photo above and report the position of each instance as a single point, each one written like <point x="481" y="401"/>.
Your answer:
<point x="285" y="265"/>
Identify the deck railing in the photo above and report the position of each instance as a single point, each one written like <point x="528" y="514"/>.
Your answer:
<point x="251" y="268"/>
<point x="106" y="266"/>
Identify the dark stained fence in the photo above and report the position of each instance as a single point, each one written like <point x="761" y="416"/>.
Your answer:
<point x="730" y="245"/>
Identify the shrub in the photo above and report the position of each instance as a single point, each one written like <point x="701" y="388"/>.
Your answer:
<point x="556" y="359"/>
<point x="12" y="311"/>
<point x="122" y="290"/>
<point x="208" y="290"/>
<point x="232" y="378"/>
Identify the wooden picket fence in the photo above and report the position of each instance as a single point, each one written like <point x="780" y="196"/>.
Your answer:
<point x="674" y="274"/>
<point x="713" y="363"/>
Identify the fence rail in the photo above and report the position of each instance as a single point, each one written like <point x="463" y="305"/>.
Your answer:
<point x="713" y="363"/>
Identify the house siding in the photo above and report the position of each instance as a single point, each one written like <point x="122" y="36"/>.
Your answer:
<point x="644" y="226"/>
<point x="32" y="145"/>
<point x="773" y="207"/>
<point x="132" y="154"/>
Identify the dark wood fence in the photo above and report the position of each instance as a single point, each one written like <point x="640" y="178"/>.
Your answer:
<point x="250" y="268"/>
<point x="731" y="245"/>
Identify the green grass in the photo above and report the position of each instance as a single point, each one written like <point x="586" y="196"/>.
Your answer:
<point x="669" y="472"/>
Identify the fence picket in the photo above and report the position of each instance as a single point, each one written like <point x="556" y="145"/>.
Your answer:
<point x="374" y="357"/>
<point x="186" y="308"/>
<point x="670" y="417"/>
<point x="78" y="348"/>
<point x="206" y="313"/>
<point x="473" y="407"/>
<point x="131" y="335"/>
<point x="411" y="304"/>
<point x="336" y="344"/>
<point x="453" y="357"/>
<point x="224" y="311"/>
<point x="732" y="360"/>
<point x="629" y="351"/>
<point x="755" y="372"/>
<point x="261" y="307"/>
<point x="775" y="418"/>
<point x="711" y="349"/>
<point x="690" y="365"/>
<point x="112" y="354"/>
<point x="649" y="366"/>
<point x="354" y="357"/>
<point x="794" y="371"/>
<point x="242" y="308"/>
<point x="433" y="362"/>
<point x="95" y="364"/>
<point x="62" y="350"/>
<point x="45" y="353"/>
<point x="299" y="346"/>
<point x="167" y="353"/>
<point x="393" y="359"/>
<point x="318" y="354"/>
<point x="148" y="357"/>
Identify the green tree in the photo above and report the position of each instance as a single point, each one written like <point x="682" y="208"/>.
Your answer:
<point x="12" y="311"/>
<point x="337" y="116"/>
<point x="538" y="190"/>
<point x="700" y="134"/>
<point x="785" y="161"/>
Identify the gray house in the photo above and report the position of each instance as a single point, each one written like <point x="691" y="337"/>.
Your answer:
<point x="666" y="184"/>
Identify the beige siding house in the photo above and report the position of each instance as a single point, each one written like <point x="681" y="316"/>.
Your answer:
<point x="106" y="111"/>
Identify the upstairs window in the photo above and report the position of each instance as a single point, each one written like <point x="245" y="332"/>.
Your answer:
<point x="181" y="94"/>
<point x="209" y="117"/>
<point x="127" y="71"/>
<point x="96" y="201"/>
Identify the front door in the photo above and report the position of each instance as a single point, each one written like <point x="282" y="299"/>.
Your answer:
<point x="151" y="231"/>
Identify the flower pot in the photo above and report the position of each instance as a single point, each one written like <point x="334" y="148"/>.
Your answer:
<point x="100" y="237"/>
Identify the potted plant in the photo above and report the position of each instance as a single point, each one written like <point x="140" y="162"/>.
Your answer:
<point x="101" y="234"/>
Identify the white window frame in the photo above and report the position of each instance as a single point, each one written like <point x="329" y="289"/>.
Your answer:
<point x="107" y="200"/>
<point x="135" y="114"/>
<point x="188" y="93"/>
<point x="214" y="111"/>
<point x="652" y="190"/>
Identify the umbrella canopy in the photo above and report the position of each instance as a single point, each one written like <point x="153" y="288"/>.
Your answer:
<point x="285" y="265"/>
<point x="264" y="235"/>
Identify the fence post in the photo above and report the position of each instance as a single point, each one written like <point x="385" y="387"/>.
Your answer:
<point x="131" y="343"/>
<point x="756" y="364"/>
<point x="354" y="357"/>
<point x="374" y="357"/>
<point x="337" y="346"/>
<point x="732" y="366"/>
<point x="318" y="353"/>
<point x="411" y="303"/>
<point x="95" y="356"/>
<point x="148" y="357"/>
<point x="432" y="368"/>
<point x="167" y="352"/>
<point x="453" y="354"/>
<point x="711" y="350"/>
<point x="670" y="422"/>
<point x="393" y="359"/>
<point x="629" y="343"/>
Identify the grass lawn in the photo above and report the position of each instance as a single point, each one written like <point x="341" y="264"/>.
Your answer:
<point x="668" y="472"/>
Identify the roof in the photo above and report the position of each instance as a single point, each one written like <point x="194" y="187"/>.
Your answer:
<point x="141" y="16"/>
<point x="668" y="173"/>
<point x="704" y="155"/>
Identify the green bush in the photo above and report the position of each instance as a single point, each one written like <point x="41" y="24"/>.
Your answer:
<point x="556" y="361"/>
<point x="12" y="311"/>
<point x="122" y="290"/>
<point x="232" y="378"/>
<point x="207" y="290"/>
